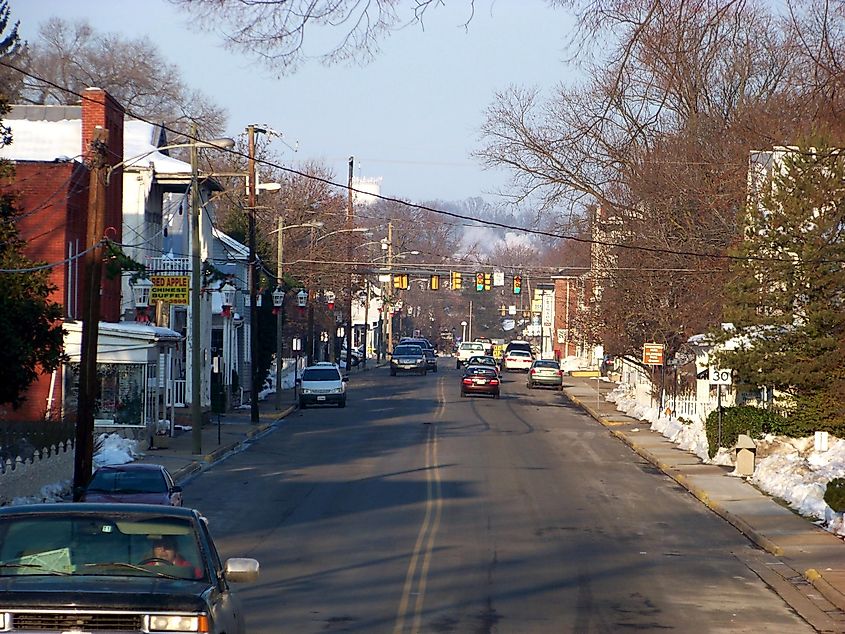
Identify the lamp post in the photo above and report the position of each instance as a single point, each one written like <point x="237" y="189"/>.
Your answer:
<point x="279" y="297"/>
<point x="228" y="299"/>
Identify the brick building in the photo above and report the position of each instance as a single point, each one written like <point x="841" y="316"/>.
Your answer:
<point x="53" y="193"/>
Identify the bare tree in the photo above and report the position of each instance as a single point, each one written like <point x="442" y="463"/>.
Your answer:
<point x="277" y="31"/>
<point x="69" y="57"/>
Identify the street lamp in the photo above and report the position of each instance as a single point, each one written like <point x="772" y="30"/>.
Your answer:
<point x="279" y="297"/>
<point x="141" y="289"/>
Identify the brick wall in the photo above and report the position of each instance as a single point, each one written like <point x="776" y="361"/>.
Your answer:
<point x="99" y="109"/>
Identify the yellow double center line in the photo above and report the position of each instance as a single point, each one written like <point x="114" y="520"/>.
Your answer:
<point x="424" y="547"/>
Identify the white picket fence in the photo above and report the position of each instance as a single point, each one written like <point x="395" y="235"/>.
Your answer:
<point x="26" y="477"/>
<point x="639" y="387"/>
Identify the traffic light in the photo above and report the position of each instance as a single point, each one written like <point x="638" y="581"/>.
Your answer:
<point x="479" y="282"/>
<point x="488" y="281"/>
<point x="457" y="281"/>
<point x="434" y="283"/>
<point x="401" y="281"/>
<point x="517" y="284"/>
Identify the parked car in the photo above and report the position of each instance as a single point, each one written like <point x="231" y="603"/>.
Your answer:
<point x="545" y="372"/>
<point x="77" y="567"/>
<point x="468" y="349"/>
<point x="484" y="360"/>
<point x="480" y="379"/>
<point x="430" y="359"/>
<point x="517" y="360"/>
<point x="136" y="483"/>
<point x="408" y="357"/>
<point x="322" y="384"/>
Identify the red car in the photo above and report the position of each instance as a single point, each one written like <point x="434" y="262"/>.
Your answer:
<point x="137" y="483"/>
<point x="480" y="379"/>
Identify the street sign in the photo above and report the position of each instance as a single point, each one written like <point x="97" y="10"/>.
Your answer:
<point x="653" y="353"/>
<point x="720" y="376"/>
<point x="498" y="278"/>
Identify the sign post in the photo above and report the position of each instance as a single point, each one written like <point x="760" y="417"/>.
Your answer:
<point x="719" y="377"/>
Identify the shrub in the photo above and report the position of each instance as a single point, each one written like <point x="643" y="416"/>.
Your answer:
<point x="743" y="419"/>
<point x="834" y="495"/>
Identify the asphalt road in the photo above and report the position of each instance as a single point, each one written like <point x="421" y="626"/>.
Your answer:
<point x="415" y="510"/>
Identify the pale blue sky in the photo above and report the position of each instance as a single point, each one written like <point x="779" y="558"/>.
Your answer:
<point x="412" y="116"/>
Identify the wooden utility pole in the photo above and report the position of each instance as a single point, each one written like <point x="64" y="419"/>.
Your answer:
<point x="92" y="267"/>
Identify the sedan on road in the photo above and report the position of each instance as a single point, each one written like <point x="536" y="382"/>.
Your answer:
<point x="517" y="360"/>
<point x="480" y="379"/>
<point x="137" y="483"/>
<point x="484" y="360"/>
<point x="545" y="372"/>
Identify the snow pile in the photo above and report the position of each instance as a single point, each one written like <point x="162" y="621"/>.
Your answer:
<point x="790" y="469"/>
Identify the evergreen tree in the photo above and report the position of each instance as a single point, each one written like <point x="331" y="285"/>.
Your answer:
<point x="787" y="298"/>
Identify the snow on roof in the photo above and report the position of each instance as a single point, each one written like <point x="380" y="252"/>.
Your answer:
<point x="139" y="146"/>
<point x="43" y="140"/>
<point x="54" y="133"/>
<point x="232" y="246"/>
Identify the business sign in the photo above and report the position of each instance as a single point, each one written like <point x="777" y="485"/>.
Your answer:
<point x="173" y="289"/>
<point x="548" y="309"/>
<point x="653" y="353"/>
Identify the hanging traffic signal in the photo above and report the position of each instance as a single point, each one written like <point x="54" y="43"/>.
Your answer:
<point x="401" y="281"/>
<point x="479" y="282"/>
<point x="434" y="283"/>
<point x="517" y="284"/>
<point x="457" y="281"/>
<point x="488" y="281"/>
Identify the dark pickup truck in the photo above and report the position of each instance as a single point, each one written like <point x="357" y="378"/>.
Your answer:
<point x="106" y="567"/>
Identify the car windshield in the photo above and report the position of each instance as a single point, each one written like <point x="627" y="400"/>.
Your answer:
<point x="519" y="353"/>
<point x="107" y="544"/>
<point x="546" y="364"/>
<point x="320" y="374"/>
<point x="472" y="346"/>
<point x="129" y="481"/>
<point x="411" y="351"/>
<point x="482" y="360"/>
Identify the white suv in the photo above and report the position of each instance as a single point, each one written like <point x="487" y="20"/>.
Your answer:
<point x="322" y="384"/>
<point x="469" y="349"/>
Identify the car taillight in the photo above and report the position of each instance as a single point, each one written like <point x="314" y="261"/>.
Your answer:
<point x="494" y="381"/>
<point x="468" y="381"/>
<point x="533" y="370"/>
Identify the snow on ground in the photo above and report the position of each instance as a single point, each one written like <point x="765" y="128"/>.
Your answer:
<point x="787" y="468"/>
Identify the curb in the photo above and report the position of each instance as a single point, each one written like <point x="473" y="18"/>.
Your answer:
<point x="198" y="464"/>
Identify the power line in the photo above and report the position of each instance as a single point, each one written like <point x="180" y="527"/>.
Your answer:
<point x="480" y="221"/>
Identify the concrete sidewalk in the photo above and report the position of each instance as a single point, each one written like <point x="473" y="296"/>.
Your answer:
<point x="805" y="551"/>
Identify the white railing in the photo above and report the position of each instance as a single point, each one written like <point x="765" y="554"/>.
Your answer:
<point x="162" y="264"/>
<point x="176" y="393"/>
